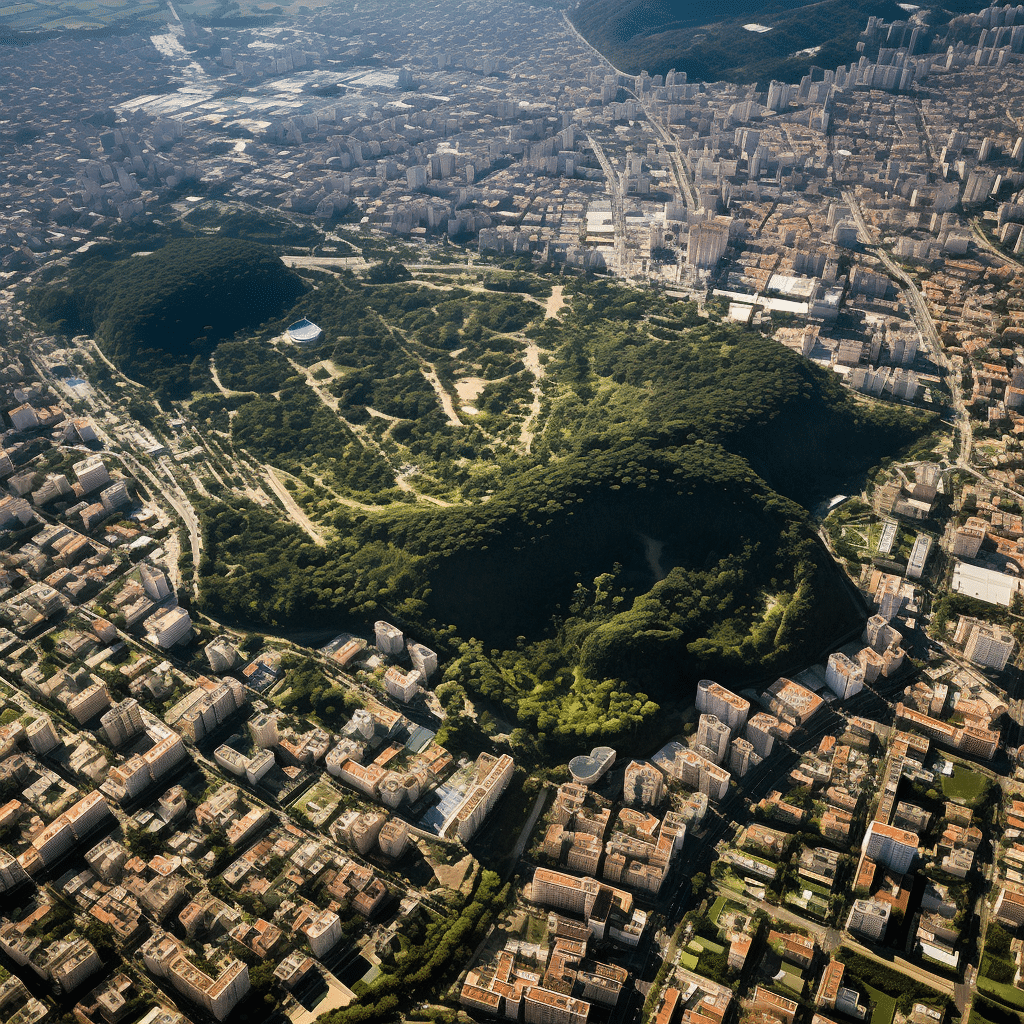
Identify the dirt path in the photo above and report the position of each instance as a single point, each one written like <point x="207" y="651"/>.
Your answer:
<point x="292" y="507"/>
<point x="227" y="392"/>
<point x="428" y="371"/>
<point x="369" y="442"/>
<point x="531" y="360"/>
<point x="555" y="302"/>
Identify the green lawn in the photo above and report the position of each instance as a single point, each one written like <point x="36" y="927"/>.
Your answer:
<point x="1008" y="994"/>
<point x="716" y="909"/>
<point x="794" y="983"/>
<point x="689" y="961"/>
<point x="536" y="929"/>
<point x="883" y="1006"/>
<point x="964" y="784"/>
<point x="710" y="947"/>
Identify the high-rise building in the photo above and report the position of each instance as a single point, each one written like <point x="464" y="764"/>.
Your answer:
<point x="742" y="757"/>
<point x="264" y="730"/>
<point x="984" y="643"/>
<point x="423" y="659"/>
<point x="879" y="635"/>
<point x="122" y="722"/>
<point x="868" y="918"/>
<point x="760" y="733"/>
<point x="968" y="538"/>
<point x="714" y="736"/>
<point x="42" y="735"/>
<point x="90" y="702"/>
<point x="643" y="786"/>
<point x="389" y="639"/>
<point x="91" y="474"/>
<point x="843" y="676"/>
<point x="707" y="244"/>
<point x="168" y="626"/>
<point x="154" y="582"/>
<point x="713" y="699"/>
<point x="894" y="847"/>
<point x="217" y="993"/>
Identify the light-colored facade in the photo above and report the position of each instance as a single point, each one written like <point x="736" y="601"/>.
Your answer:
<point x="643" y="785"/>
<point x="894" y="847"/>
<point x="760" y="732"/>
<point x="168" y="626"/>
<point x="714" y="735"/>
<point x="843" y="676"/>
<point x="868" y="918"/>
<point x="984" y="643"/>
<point x="714" y="699"/>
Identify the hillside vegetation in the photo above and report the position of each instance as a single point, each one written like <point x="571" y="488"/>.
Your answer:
<point x="712" y="45"/>
<point x="155" y="313"/>
<point x="608" y="533"/>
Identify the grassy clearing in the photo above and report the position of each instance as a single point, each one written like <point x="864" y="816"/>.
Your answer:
<point x="1008" y="994"/>
<point x="883" y="1007"/>
<point x="963" y="785"/>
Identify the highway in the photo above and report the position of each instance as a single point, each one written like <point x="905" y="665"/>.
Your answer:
<point x="618" y="205"/>
<point x="925" y="324"/>
<point x="982" y="240"/>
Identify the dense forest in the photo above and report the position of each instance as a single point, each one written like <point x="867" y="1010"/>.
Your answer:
<point x="156" y="311"/>
<point x="712" y="45"/>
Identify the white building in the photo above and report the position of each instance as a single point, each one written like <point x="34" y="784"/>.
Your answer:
<point x="707" y="244"/>
<point x="122" y="722"/>
<point x="742" y="757"/>
<point x="322" y="932"/>
<point x="115" y="496"/>
<point x="221" y="654"/>
<point x="894" y="847"/>
<point x="919" y="556"/>
<point x="168" y="626"/>
<point x="843" y="676"/>
<point x="713" y="734"/>
<point x="389" y="639"/>
<point x="401" y="686"/>
<point x="760" y="732"/>
<point x="424" y="660"/>
<point x="264" y="730"/>
<point x="643" y="785"/>
<point x="968" y="538"/>
<point x="154" y="582"/>
<point x="42" y="735"/>
<point x="868" y="918"/>
<point x="493" y="775"/>
<point x="984" y="643"/>
<point x="89" y="703"/>
<point x="218" y="994"/>
<point x="714" y="699"/>
<point x="91" y="474"/>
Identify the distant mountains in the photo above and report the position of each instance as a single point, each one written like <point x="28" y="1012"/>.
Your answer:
<point x="710" y="43"/>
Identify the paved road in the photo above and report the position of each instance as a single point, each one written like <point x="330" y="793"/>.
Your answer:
<point x="982" y="240"/>
<point x="527" y="829"/>
<point x="618" y="208"/>
<point x="926" y="325"/>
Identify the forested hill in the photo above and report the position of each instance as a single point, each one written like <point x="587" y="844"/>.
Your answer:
<point x="653" y="531"/>
<point x="155" y="313"/>
<point x="711" y="44"/>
